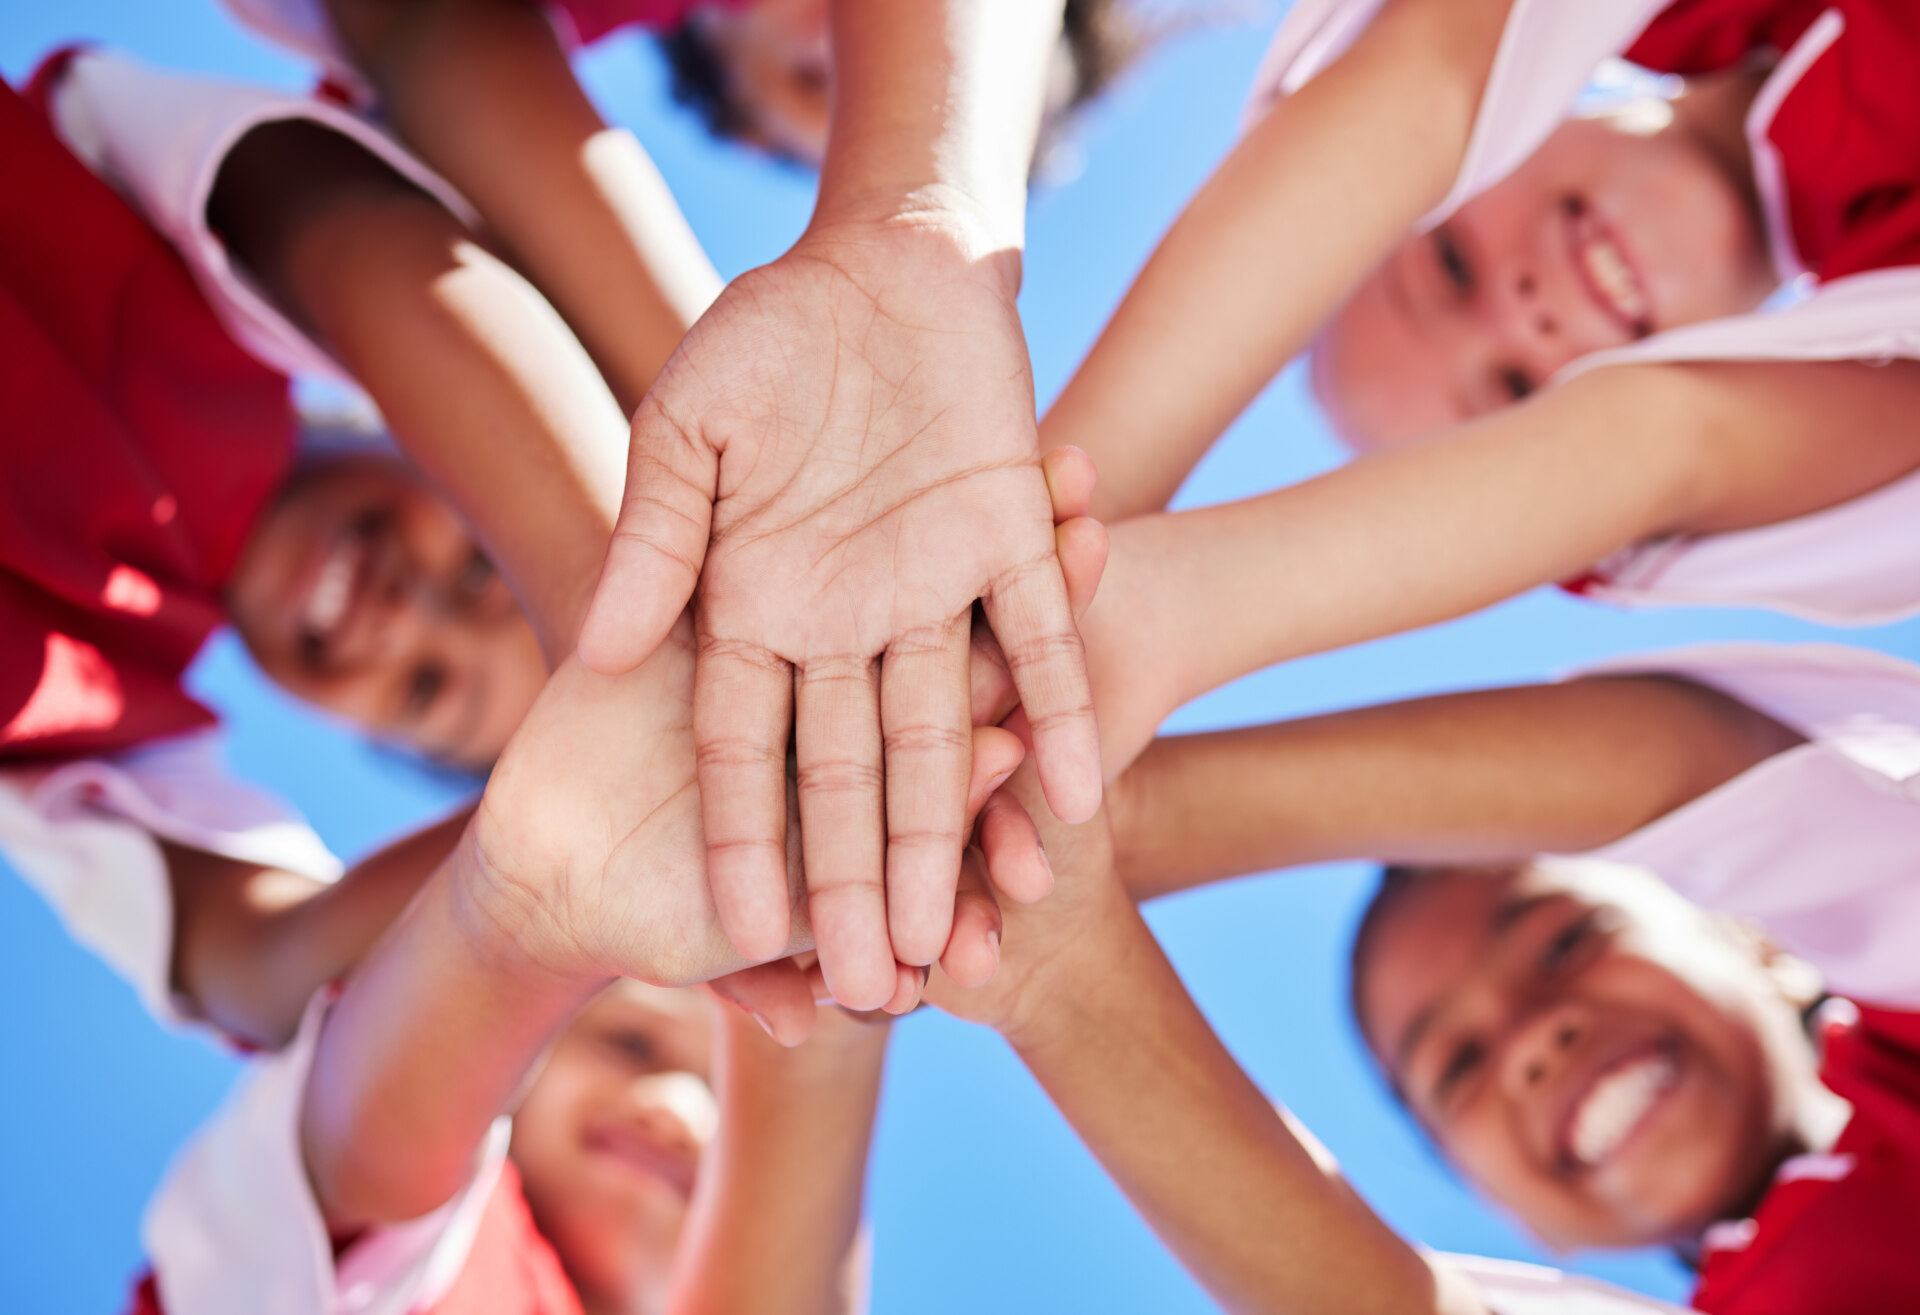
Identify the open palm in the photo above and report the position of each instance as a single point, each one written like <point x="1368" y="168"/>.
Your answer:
<point x="842" y="455"/>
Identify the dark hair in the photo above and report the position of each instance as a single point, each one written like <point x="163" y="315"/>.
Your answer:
<point x="1103" y="36"/>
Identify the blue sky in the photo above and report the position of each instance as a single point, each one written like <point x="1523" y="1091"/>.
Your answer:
<point x="981" y="1198"/>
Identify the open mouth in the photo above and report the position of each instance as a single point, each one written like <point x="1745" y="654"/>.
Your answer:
<point x="1615" y="1105"/>
<point x="336" y="589"/>
<point x="1604" y="269"/>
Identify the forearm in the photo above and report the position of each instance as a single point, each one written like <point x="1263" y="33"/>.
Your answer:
<point x="429" y="1043"/>
<point x="1213" y="1168"/>
<point x="777" y="1209"/>
<point x="252" y="945"/>
<point x="484" y="386"/>
<point x="1479" y="777"/>
<point x="1522" y="497"/>
<point x="1309" y="201"/>
<point x="936" y="110"/>
<point x="483" y="91"/>
<point x="1407" y="538"/>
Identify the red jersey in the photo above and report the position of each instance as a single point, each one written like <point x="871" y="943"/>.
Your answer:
<point x="142" y="445"/>
<point x="1846" y="135"/>
<point x="593" y="19"/>
<point x="1839" y="1234"/>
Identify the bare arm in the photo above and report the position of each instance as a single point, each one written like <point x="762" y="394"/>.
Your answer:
<point x="482" y="90"/>
<point x="1094" y="1009"/>
<point x="1475" y="777"/>
<point x="777" y="1208"/>
<point x="483" y="385"/>
<point x="251" y="944"/>
<point x="1522" y="497"/>
<point x="1314" y="195"/>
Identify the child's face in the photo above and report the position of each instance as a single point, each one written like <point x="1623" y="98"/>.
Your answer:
<point x="1612" y="1064"/>
<point x="1616" y="228"/>
<point x="779" y="60"/>
<point x="610" y="1136"/>
<point x="362" y="592"/>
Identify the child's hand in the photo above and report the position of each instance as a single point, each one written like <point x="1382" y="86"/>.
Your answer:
<point x="588" y="837"/>
<point x="1046" y="947"/>
<point x="591" y="857"/>
<point x="842" y="454"/>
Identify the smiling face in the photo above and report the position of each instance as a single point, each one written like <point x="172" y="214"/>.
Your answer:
<point x="610" y="1136"/>
<point x="362" y="592"/>
<point x="1616" y="228"/>
<point x="1612" y="1064"/>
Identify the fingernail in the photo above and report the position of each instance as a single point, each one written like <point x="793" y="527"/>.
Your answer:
<point x="993" y="943"/>
<point x="1042" y="851"/>
<point x="998" y="781"/>
<point x="765" y="1026"/>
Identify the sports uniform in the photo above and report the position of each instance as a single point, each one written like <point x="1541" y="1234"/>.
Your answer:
<point x="1835" y="138"/>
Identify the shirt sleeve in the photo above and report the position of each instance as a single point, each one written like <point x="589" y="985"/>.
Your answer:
<point x="1816" y="845"/>
<point x="1548" y="52"/>
<point x="161" y="138"/>
<point x="86" y="835"/>
<point x="1511" y="1288"/>
<point x="235" y="1229"/>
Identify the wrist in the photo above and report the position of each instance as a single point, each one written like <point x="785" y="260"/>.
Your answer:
<point x="1072" y="981"/>
<point x="505" y="922"/>
<point x="934" y="224"/>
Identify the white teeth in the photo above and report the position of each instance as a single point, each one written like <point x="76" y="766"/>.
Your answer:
<point x="1615" y="1106"/>
<point x="333" y="589"/>
<point x="1613" y="277"/>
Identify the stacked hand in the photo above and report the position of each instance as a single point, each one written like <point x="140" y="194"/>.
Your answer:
<point x="842" y="458"/>
<point x="590" y="839"/>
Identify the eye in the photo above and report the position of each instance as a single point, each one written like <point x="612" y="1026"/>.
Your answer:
<point x="476" y="574"/>
<point x="635" y="1047"/>
<point x="1461" y="1063"/>
<point x="423" y="688"/>
<point x="1453" y="261"/>
<point x="1515" y="383"/>
<point x="1563" y="948"/>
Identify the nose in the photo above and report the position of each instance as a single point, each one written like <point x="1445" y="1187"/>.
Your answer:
<point x="677" y="1111"/>
<point x="1542" y="1046"/>
<point x="1530" y="332"/>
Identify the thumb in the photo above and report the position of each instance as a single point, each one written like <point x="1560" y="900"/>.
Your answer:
<point x="653" y="561"/>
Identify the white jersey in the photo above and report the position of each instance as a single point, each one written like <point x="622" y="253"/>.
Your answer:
<point x="86" y="835"/>
<point x="235" y="1229"/>
<point x="1819" y="845"/>
<point x="1854" y="564"/>
<point x="160" y="139"/>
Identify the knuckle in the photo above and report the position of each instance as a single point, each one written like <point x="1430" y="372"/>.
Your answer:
<point x="840" y="776"/>
<point x="929" y="739"/>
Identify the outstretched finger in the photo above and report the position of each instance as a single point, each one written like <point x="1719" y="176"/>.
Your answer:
<point x="1081" y="545"/>
<point x="1027" y="607"/>
<point x="973" y="953"/>
<point x="742" y="711"/>
<point x="842" y="819"/>
<point x="1010" y="843"/>
<point x="929" y="759"/>
<point x="659" y="542"/>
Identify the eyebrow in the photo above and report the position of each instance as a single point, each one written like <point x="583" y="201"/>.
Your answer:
<point x="1504" y="917"/>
